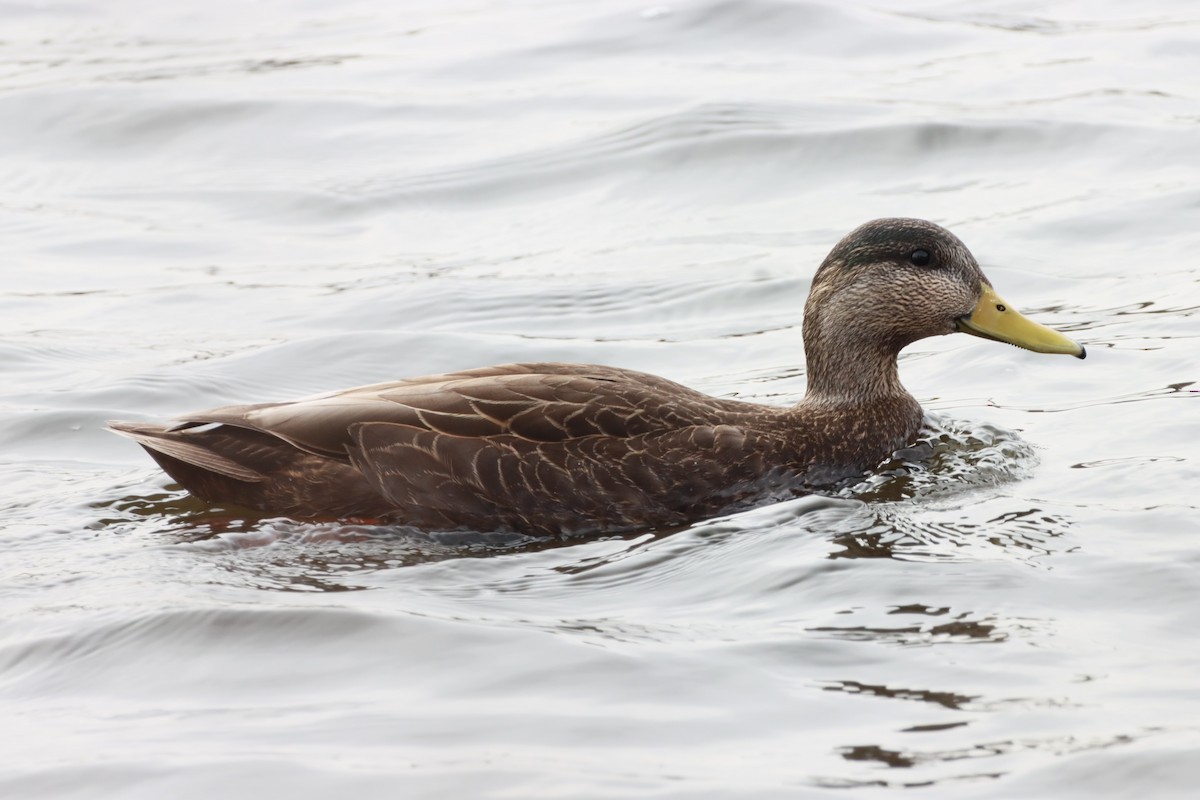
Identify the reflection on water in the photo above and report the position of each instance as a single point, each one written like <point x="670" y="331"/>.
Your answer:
<point x="958" y="629"/>
<point x="956" y="532"/>
<point x="907" y="758"/>
<point x="944" y="699"/>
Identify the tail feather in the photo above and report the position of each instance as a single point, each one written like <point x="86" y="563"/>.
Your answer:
<point x="159" y="439"/>
<point x="229" y="464"/>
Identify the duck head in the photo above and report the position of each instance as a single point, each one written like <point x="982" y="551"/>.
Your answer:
<point x="891" y="282"/>
<point x="894" y="281"/>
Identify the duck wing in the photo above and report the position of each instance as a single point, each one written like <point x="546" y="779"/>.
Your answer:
<point x="524" y="446"/>
<point x="572" y="486"/>
<point x="539" y="402"/>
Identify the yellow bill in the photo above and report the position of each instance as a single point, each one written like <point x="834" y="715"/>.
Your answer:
<point x="995" y="319"/>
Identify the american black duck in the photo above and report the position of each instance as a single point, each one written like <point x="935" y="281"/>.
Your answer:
<point x="552" y="449"/>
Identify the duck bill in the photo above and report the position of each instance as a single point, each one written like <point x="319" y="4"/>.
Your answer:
<point x="995" y="319"/>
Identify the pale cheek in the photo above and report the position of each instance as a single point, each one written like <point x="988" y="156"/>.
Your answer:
<point x="939" y="325"/>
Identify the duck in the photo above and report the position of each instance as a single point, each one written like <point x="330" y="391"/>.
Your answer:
<point x="556" y="449"/>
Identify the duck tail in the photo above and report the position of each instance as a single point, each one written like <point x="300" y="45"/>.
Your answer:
<point x="180" y="455"/>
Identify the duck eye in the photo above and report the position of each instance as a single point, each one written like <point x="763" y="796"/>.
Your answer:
<point x="919" y="258"/>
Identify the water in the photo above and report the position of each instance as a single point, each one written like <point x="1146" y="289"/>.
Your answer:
<point x="205" y="203"/>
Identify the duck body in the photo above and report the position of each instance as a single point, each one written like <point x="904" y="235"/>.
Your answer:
<point x="539" y="448"/>
<point x="570" y="449"/>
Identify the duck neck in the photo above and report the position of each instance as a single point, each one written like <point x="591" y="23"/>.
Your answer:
<point x="863" y="374"/>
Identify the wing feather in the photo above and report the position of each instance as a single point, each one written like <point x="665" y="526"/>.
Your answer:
<point x="589" y="483"/>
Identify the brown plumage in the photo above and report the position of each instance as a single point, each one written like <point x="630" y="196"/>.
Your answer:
<point x="572" y="449"/>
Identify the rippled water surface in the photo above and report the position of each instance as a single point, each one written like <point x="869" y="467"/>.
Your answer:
<point x="205" y="203"/>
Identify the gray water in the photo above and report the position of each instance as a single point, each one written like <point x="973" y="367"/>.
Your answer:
<point x="206" y="203"/>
